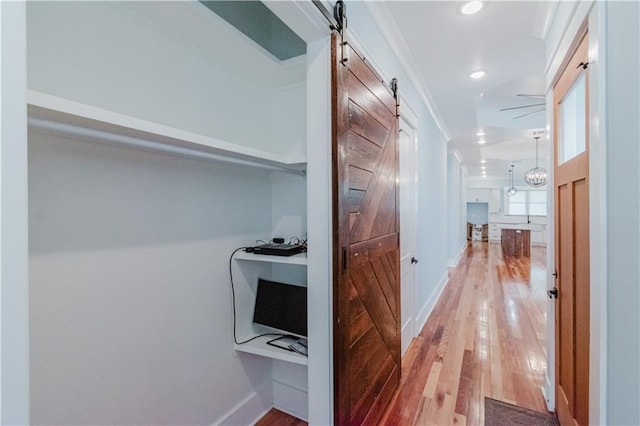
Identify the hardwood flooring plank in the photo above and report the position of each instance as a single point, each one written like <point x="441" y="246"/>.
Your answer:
<point x="432" y="380"/>
<point x="278" y="418"/>
<point x="485" y="337"/>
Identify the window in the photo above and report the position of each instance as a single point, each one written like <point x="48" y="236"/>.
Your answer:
<point x="527" y="202"/>
<point x="571" y="125"/>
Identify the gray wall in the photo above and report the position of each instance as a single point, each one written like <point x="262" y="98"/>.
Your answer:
<point x="130" y="299"/>
<point x="623" y="209"/>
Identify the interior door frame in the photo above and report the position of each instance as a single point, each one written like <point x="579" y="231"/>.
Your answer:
<point x="571" y="169"/>
<point x="591" y="15"/>
<point x="409" y="118"/>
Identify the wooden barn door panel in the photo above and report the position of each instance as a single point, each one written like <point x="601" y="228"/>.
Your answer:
<point x="366" y="242"/>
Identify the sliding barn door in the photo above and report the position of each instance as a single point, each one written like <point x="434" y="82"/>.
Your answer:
<point x="366" y="240"/>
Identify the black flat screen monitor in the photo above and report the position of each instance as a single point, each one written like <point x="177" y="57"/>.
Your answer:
<point x="281" y="306"/>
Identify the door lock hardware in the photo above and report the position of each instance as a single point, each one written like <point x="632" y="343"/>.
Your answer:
<point x="553" y="293"/>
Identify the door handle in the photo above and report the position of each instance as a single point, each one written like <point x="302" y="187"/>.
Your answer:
<point x="553" y="293"/>
<point x="414" y="260"/>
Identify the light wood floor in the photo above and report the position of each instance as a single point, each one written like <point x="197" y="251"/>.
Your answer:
<point x="278" y="418"/>
<point x="485" y="337"/>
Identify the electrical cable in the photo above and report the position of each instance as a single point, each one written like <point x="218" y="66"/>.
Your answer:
<point x="233" y="299"/>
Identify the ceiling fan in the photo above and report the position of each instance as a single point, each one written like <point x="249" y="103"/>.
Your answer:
<point x="536" y="105"/>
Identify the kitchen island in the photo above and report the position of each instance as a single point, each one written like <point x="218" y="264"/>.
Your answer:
<point x="516" y="242"/>
<point x="537" y="235"/>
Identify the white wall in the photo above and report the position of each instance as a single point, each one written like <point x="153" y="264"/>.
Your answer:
<point x="489" y="183"/>
<point x="130" y="298"/>
<point x="288" y="119"/>
<point x="456" y="210"/>
<point x="14" y="349"/>
<point x="166" y="51"/>
<point x="623" y="210"/>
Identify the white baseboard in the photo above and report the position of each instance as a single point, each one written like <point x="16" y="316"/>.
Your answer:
<point x="406" y="335"/>
<point x="291" y="399"/>
<point x="426" y="310"/>
<point x="251" y="409"/>
<point x="452" y="263"/>
<point x="547" y="392"/>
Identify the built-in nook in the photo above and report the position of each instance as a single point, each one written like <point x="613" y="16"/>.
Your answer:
<point x="160" y="139"/>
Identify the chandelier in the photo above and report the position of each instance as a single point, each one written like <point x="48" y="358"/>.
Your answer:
<point x="537" y="176"/>
<point x="512" y="189"/>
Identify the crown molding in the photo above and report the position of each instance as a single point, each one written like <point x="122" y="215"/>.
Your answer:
<point x="456" y="155"/>
<point x="383" y="19"/>
<point x="570" y="25"/>
<point x="544" y="18"/>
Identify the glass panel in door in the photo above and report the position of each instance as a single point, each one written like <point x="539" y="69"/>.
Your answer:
<point x="572" y="125"/>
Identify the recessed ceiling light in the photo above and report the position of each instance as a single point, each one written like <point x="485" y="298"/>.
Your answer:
<point x="477" y="74"/>
<point x="480" y="133"/>
<point x="471" y="7"/>
<point x="484" y="176"/>
<point x="483" y="161"/>
<point x="483" y="167"/>
<point x="482" y="141"/>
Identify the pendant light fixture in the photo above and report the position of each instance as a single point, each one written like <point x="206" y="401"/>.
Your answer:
<point x="512" y="190"/>
<point x="537" y="176"/>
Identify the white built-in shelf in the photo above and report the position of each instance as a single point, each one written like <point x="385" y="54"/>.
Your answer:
<point x="296" y="259"/>
<point x="260" y="347"/>
<point x="52" y="114"/>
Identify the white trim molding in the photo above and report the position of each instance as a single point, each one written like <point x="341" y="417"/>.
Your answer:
<point x="598" y="215"/>
<point x="544" y="18"/>
<point x="14" y="251"/>
<point x="568" y="26"/>
<point x="573" y="24"/>
<point x="251" y="409"/>
<point x="427" y="309"/>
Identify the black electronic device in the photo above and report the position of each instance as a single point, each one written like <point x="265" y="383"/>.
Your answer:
<point x="281" y="306"/>
<point x="278" y="249"/>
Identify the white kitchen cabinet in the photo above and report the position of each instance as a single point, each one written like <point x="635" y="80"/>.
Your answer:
<point x="537" y="237"/>
<point x="495" y="200"/>
<point x="494" y="232"/>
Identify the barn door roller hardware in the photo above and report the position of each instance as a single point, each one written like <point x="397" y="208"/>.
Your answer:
<point x="340" y="15"/>
<point x="337" y="18"/>
<point x="394" y="87"/>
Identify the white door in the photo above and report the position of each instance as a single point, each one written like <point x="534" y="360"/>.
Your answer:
<point x="408" y="148"/>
